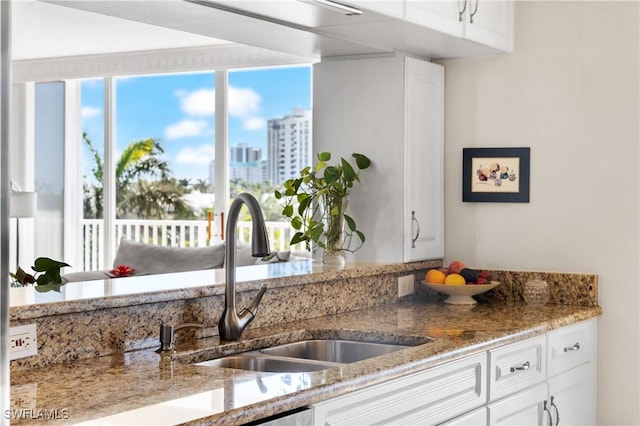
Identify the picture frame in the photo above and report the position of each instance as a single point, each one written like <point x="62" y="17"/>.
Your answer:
<point x="496" y="175"/>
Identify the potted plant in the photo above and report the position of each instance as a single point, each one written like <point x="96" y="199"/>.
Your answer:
<point x="46" y="275"/>
<point x="316" y="203"/>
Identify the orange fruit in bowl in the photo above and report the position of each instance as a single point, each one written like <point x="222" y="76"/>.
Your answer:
<point x="454" y="279"/>
<point x="435" y="276"/>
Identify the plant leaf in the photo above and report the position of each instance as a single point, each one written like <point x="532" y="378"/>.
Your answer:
<point x="288" y="210"/>
<point x="331" y="174"/>
<point x="360" y="235"/>
<point x="298" y="237"/>
<point x="349" y="174"/>
<point x="296" y="223"/>
<point x="362" y="161"/>
<point x="350" y="222"/>
<point x="277" y="194"/>
<point x="324" y="156"/>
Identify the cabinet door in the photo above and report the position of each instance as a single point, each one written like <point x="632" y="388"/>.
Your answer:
<point x="425" y="398"/>
<point x="440" y="15"/>
<point x="393" y="8"/>
<point x="424" y="161"/>
<point x="492" y="23"/>
<point x="571" y="397"/>
<point x="476" y="417"/>
<point x="517" y="366"/>
<point x="523" y="408"/>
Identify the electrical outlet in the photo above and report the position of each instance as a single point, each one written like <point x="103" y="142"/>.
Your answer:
<point x="405" y="285"/>
<point x="22" y="341"/>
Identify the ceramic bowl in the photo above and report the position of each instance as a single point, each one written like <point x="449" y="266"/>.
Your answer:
<point x="461" y="294"/>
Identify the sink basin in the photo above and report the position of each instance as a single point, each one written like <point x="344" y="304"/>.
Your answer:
<point x="265" y="364"/>
<point x="339" y="351"/>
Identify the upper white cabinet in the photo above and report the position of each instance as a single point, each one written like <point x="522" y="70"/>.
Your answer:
<point x="393" y="8"/>
<point x="488" y="22"/>
<point x="392" y="110"/>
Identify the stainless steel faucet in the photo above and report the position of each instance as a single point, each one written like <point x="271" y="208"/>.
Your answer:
<point x="233" y="323"/>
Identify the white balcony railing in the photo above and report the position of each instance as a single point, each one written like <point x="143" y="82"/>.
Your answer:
<point x="172" y="233"/>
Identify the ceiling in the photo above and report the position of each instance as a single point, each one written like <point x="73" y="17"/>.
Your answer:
<point x="44" y="30"/>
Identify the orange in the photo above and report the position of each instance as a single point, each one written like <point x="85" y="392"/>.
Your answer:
<point x="435" y="277"/>
<point x="455" y="279"/>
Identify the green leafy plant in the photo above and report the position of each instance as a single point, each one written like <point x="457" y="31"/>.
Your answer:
<point x="46" y="275"/>
<point x="316" y="202"/>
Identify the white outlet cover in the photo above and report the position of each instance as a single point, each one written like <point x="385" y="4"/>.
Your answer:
<point x="22" y="341"/>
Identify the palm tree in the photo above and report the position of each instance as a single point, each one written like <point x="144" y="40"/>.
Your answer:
<point x="144" y="186"/>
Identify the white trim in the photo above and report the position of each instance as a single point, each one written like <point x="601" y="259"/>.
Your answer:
<point x="73" y="192"/>
<point x="221" y="184"/>
<point x="152" y="62"/>
<point x="109" y="174"/>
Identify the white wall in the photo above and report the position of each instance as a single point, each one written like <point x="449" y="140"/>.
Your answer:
<point x="570" y="91"/>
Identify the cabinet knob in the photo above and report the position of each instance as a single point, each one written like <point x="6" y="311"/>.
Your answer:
<point x="575" y="347"/>
<point x="417" y="234"/>
<point x="461" y="12"/>
<point x="522" y="367"/>
<point x="472" y="14"/>
<point x="546" y="409"/>
<point x="555" y="407"/>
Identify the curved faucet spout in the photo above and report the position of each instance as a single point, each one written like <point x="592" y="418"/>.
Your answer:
<point x="231" y="322"/>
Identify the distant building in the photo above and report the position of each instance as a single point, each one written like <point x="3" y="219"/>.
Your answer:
<point x="288" y="145"/>
<point x="242" y="153"/>
<point x="246" y="164"/>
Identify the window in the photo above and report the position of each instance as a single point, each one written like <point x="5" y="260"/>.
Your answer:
<point x="164" y="153"/>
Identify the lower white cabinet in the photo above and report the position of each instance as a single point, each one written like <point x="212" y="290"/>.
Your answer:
<point x="425" y="398"/>
<point x="546" y="380"/>
<point x="472" y="418"/>
<point x="523" y="408"/>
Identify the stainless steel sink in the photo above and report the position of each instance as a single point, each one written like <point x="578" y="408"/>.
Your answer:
<point x="304" y="356"/>
<point x="263" y="363"/>
<point x="340" y="351"/>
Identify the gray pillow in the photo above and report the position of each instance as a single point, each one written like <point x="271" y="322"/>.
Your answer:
<point x="148" y="259"/>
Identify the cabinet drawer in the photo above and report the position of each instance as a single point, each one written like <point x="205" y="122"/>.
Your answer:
<point x="424" y="398"/>
<point x="516" y="367"/>
<point x="571" y="346"/>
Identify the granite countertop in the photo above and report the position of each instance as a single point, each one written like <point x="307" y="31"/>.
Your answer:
<point x="146" y="387"/>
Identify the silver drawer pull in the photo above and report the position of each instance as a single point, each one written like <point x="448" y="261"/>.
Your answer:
<point x="523" y="367"/>
<point x="575" y="347"/>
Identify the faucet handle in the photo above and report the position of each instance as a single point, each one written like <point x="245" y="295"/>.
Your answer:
<point x="253" y="307"/>
<point x="167" y="334"/>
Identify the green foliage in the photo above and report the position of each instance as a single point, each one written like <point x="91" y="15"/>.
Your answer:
<point x="144" y="185"/>
<point x="46" y="275"/>
<point x="316" y="202"/>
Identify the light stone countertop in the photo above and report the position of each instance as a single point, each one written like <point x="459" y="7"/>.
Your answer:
<point x="145" y="387"/>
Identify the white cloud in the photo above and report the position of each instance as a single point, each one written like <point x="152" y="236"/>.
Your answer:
<point x="198" y="103"/>
<point x="185" y="128"/>
<point x="90" y="112"/>
<point x="244" y="104"/>
<point x="254" y="123"/>
<point x="202" y="154"/>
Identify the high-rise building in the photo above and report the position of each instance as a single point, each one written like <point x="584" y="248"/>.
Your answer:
<point x="246" y="164"/>
<point x="288" y="145"/>
<point x="242" y="153"/>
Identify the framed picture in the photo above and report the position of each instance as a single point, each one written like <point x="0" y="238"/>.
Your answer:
<point x="497" y="175"/>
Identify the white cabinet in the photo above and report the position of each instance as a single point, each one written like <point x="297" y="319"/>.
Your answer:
<point x="572" y="354"/>
<point x="392" y="110"/>
<point x="518" y="384"/>
<point x="425" y="398"/>
<point x="523" y="408"/>
<point x="486" y="22"/>
<point x="393" y="8"/>
<point x="527" y="395"/>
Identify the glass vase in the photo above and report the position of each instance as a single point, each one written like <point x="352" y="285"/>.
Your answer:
<point x="333" y="209"/>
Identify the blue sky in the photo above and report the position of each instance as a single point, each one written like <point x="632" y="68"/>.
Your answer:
<point x="178" y="109"/>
